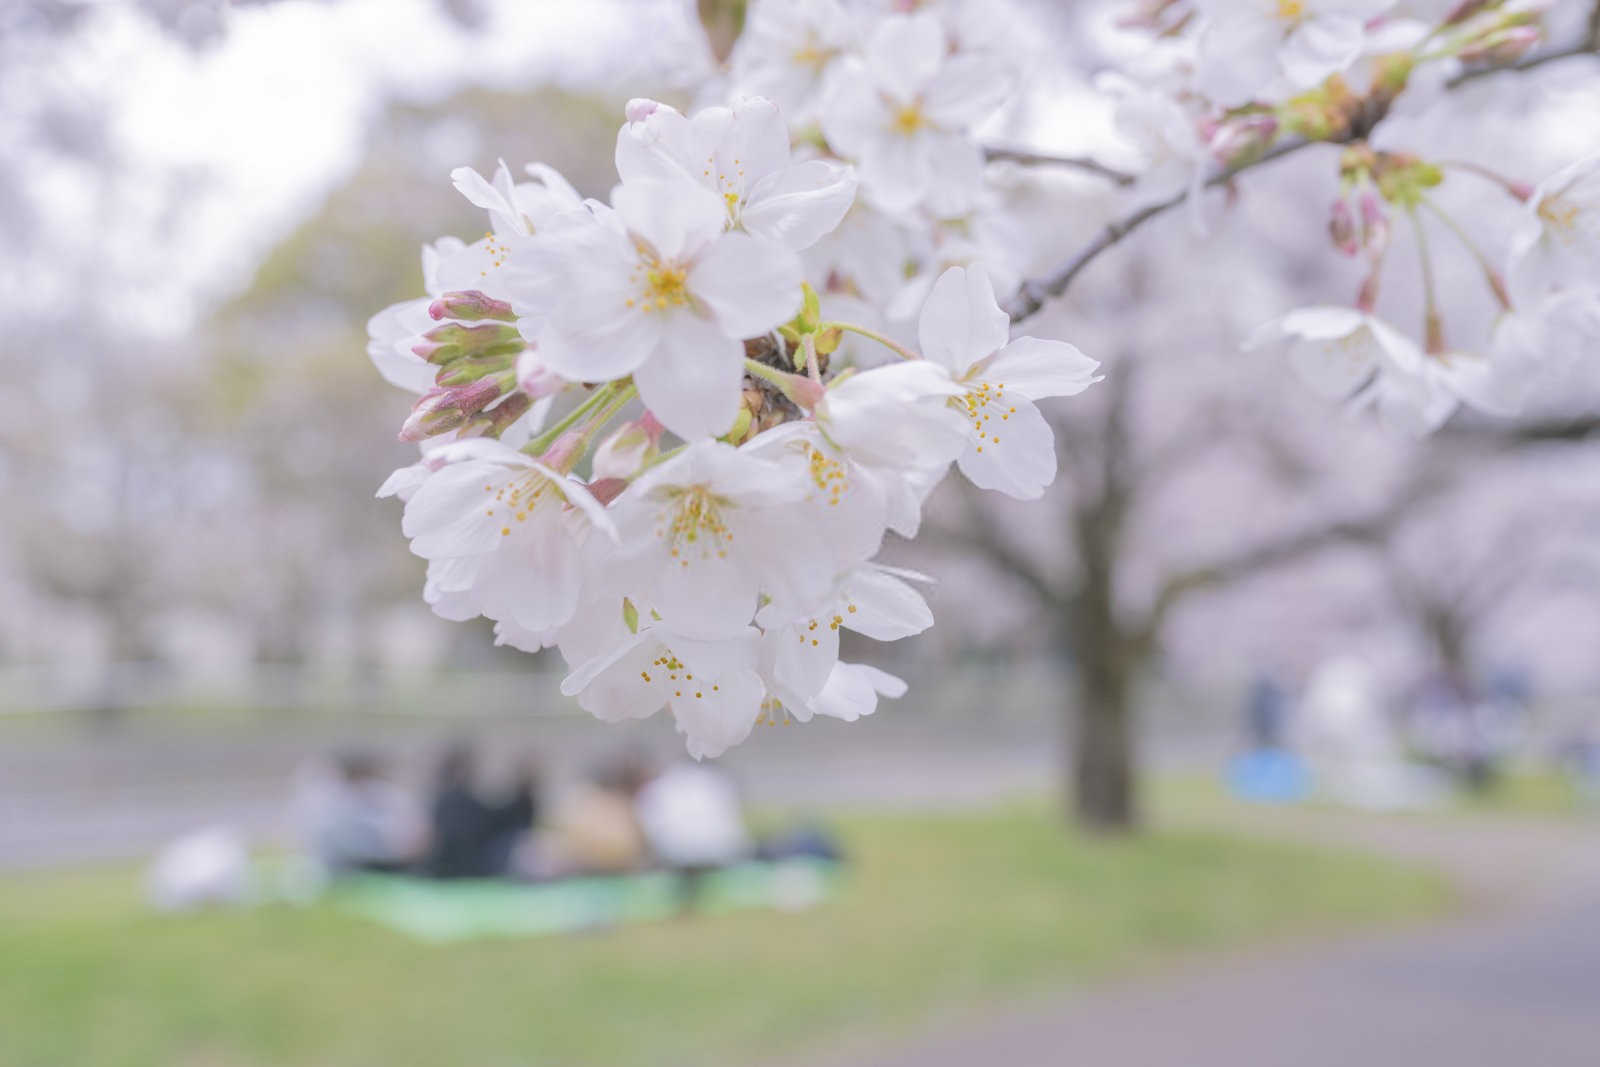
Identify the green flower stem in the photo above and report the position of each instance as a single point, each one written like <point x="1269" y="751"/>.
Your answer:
<point x="850" y="327"/>
<point x="1491" y="276"/>
<point x="1433" y="326"/>
<point x="599" y="398"/>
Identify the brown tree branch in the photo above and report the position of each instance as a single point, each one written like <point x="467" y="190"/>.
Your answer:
<point x="980" y="532"/>
<point x="1290" y="548"/>
<point x="1028" y="157"/>
<point x="1035" y="292"/>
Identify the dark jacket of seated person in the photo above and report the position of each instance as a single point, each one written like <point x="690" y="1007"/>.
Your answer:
<point x="474" y="838"/>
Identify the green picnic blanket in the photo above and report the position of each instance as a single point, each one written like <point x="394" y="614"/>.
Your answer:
<point x="441" y="911"/>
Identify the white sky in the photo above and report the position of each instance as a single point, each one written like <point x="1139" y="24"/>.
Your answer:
<point x="274" y="115"/>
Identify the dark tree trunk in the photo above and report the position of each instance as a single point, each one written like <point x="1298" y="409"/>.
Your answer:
<point x="1104" y="785"/>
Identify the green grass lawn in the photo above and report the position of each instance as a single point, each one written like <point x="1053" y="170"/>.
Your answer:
<point x="1521" y="792"/>
<point x="941" y="914"/>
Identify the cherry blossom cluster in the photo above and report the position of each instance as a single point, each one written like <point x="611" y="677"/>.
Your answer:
<point x="1245" y="76"/>
<point x="705" y="517"/>
<point x="668" y="434"/>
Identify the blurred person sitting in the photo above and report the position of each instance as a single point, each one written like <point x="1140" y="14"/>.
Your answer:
<point x="593" y="829"/>
<point x="473" y="837"/>
<point x="354" y="818"/>
<point x="693" y="823"/>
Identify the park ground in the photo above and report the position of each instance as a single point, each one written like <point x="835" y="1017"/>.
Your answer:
<point x="942" y="916"/>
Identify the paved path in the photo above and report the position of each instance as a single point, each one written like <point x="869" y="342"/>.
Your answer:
<point x="1515" y="981"/>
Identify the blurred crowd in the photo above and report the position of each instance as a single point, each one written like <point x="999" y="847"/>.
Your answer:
<point x="354" y="814"/>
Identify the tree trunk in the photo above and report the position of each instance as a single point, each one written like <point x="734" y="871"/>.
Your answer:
<point x="1104" y="794"/>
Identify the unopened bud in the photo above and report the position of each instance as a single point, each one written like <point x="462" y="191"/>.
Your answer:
<point x="628" y="448"/>
<point x="564" y="451"/>
<point x="444" y="409"/>
<point x="472" y="368"/>
<point x="1342" y="228"/>
<point x="536" y="379"/>
<point x="1374" y="224"/>
<point x="471" y="305"/>
<point x="1242" y="140"/>
<point x="446" y="344"/>
<point x="493" y="423"/>
<point x="1503" y="46"/>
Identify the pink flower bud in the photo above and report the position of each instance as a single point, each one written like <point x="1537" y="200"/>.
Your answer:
<point x="1242" y="139"/>
<point x="493" y="423"/>
<point x="628" y="448"/>
<point x="564" y="451"/>
<point x="472" y="368"/>
<point x="452" y="341"/>
<point x="1374" y="224"/>
<point x="1342" y="228"/>
<point x="470" y="305"/>
<point x="1504" y="46"/>
<point x="440" y="410"/>
<point x="536" y="379"/>
<point x="640" y="108"/>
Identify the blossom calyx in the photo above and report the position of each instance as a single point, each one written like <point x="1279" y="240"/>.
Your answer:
<point x="471" y="305"/>
<point x="447" y="343"/>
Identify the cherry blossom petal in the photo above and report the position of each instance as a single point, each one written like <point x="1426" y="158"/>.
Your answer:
<point x="692" y="384"/>
<point x="1016" y="457"/>
<point x="961" y="323"/>
<point x="904" y="52"/>
<point x="720" y="718"/>
<point x="1036" y="368"/>
<point x="798" y="205"/>
<point x="752" y="285"/>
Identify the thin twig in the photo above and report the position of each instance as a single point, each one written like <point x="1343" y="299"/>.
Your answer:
<point x="1587" y="48"/>
<point x="1036" y="291"/>
<point x="996" y="153"/>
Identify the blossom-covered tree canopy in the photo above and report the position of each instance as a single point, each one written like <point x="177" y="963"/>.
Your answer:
<point x="708" y="511"/>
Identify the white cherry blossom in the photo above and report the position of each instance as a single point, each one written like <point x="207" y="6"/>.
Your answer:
<point x="1248" y="48"/>
<point x="711" y="686"/>
<point x="741" y="153"/>
<point x="656" y="288"/>
<point x="502" y="533"/>
<point x="1557" y="246"/>
<point x="963" y="329"/>
<point x="707" y="531"/>
<point x="787" y="49"/>
<point x="801" y="644"/>
<point x="903" y="111"/>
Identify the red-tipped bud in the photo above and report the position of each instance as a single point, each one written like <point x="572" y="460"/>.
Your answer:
<point x="470" y="305"/>
<point x="441" y="410"/>
<point x="1240" y="140"/>
<point x="493" y="423"/>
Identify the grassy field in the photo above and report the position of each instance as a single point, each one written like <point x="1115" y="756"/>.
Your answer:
<point x="940" y="914"/>
<point x="1521" y="793"/>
